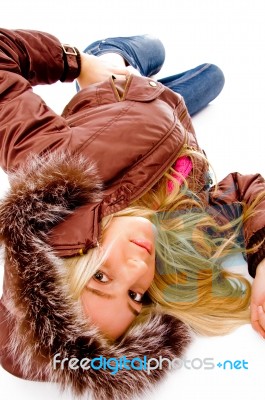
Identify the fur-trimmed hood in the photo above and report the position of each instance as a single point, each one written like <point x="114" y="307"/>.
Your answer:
<point x="45" y="320"/>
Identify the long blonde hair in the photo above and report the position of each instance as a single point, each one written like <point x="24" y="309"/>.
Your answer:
<point x="189" y="282"/>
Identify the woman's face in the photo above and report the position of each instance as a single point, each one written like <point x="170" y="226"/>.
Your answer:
<point x="112" y="297"/>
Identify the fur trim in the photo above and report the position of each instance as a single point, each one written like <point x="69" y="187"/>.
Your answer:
<point x="49" y="322"/>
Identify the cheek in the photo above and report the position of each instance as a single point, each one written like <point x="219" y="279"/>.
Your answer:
<point x="112" y="318"/>
<point x="149" y="276"/>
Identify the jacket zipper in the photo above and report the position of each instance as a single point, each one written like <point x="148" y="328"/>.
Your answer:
<point x="189" y="147"/>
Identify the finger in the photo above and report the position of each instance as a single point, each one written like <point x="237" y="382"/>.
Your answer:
<point x="120" y="71"/>
<point x="258" y="319"/>
<point x="133" y="70"/>
<point x="261" y="315"/>
<point x="254" y="312"/>
<point x="119" y="77"/>
<point x="256" y="326"/>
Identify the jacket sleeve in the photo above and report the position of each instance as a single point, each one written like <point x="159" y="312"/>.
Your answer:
<point x="248" y="190"/>
<point x="29" y="58"/>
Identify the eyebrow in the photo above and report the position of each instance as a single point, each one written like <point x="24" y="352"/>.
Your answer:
<point x="111" y="296"/>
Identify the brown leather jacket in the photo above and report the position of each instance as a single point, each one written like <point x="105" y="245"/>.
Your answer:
<point x="133" y="136"/>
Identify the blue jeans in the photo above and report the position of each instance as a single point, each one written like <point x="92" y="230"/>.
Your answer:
<point x="198" y="86"/>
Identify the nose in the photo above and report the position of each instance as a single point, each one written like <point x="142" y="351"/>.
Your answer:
<point x="134" y="270"/>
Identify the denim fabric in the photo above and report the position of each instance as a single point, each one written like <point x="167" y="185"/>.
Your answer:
<point x="198" y="86"/>
<point x="145" y="52"/>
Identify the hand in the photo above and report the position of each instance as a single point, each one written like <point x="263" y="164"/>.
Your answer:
<point x="257" y="306"/>
<point x="97" y="69"/>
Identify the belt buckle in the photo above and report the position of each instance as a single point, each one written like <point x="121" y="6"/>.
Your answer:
<point x="71" y="52"/>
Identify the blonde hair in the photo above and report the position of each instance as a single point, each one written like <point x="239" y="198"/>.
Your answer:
<point x="189" y="282"/>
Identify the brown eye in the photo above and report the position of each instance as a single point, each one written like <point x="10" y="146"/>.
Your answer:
<point x="137" y="297"/>
<point x="101" y="277"/>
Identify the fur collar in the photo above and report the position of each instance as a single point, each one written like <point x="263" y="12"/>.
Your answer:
<point x="48" y="322"/>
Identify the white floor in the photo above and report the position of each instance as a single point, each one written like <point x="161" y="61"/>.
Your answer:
<point x="231" y="130"/>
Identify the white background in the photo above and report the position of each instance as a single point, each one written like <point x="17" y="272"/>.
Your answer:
<point x="230" y="34"/>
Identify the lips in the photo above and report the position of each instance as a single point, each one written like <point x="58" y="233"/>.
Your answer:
<point x="145" y="244"/>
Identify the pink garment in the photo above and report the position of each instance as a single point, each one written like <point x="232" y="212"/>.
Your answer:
<point x="183" y="166"/>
